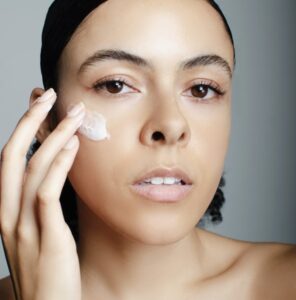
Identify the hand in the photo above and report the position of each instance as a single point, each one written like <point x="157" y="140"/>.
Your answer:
<point x="39" y="246"/>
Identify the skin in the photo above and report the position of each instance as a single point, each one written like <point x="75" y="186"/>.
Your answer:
<point x="131" y="248"/>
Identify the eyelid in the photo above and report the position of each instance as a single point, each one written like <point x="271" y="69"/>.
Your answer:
<point x="212" y="85"/>
<point x="208" y="82"/>
<point x="115" y="78"/>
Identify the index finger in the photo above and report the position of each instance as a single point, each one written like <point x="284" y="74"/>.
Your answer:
<point x="13" y="156"/>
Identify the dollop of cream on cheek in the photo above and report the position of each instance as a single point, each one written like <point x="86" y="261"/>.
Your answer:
<point x="94" y="126"/>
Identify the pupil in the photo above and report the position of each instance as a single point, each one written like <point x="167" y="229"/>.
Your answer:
<point x="200" y="91"/>
<point x="114" y="86"/>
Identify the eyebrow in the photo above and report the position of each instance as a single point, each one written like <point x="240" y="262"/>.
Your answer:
<point x="114" y="54"/>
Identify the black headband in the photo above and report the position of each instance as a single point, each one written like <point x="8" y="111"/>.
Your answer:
<point x="62" y="20"/>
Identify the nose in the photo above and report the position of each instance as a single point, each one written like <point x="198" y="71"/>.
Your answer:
<point x="166" y="125"/>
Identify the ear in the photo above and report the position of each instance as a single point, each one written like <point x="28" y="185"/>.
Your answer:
<point x="45" y="128"/>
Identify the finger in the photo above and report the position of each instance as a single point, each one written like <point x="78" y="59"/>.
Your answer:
<point x="13" y="157"/>
<point x="40" y="163"/>
<point x="51" y="218"/>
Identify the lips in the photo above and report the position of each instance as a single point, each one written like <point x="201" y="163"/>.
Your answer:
<point x="163" y="192"/>
<point x="161" y="172"/>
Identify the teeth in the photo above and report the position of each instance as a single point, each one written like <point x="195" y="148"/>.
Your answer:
<point x="169" y="180"/>
<point x="163" y="180"/>
<point x="157" y="180"/>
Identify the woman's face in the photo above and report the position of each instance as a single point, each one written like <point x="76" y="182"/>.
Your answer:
<point x="163" y="97"/>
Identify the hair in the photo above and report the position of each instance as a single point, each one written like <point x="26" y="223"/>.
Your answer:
<point x="62" y="20"/>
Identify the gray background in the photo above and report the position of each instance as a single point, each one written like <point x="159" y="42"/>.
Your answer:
<point x="261" y="163"/>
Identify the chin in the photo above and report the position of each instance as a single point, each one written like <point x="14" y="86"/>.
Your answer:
<point x="157" y="232"/>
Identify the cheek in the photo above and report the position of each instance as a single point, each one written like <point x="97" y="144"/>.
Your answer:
<point x="102" y="168"/>
<point x="98" y="158"/>
<point x="210" y="135"/>
<point x="216" y="136"/>
<point x="210" y="138"/>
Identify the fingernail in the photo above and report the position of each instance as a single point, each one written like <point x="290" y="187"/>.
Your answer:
<point x="71" y="143"/>
<point x="48" y="95"/>
<point x="73" y="111"/>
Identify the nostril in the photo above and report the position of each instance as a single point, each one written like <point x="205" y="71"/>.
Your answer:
<point x="182" y="137"/>
<point x="157" y="135"/>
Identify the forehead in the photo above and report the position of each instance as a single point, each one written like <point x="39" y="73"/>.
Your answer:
<point x="161" y="30"/>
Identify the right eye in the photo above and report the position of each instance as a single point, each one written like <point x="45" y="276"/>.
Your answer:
<point x="112" y="86"/>
<point x="205" y="90"/>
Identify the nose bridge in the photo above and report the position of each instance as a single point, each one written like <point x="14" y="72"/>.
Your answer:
<point x="166" y="124"/>
<point x="169" y="118"/>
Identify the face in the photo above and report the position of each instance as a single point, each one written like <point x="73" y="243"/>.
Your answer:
<point x="164" y="115"/>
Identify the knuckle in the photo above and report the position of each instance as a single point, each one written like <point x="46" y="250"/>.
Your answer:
<point x="5" y="153"/>
<point x="59" y="162"/>
<point x="43" y="196"/>
<point x="12" y="152"/>
<point x="23" y="234"/>
<point x="28" y="115"/>
<point x="7" y="228"/>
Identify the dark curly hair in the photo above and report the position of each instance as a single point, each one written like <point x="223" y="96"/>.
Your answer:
<point x="63" y="18"/>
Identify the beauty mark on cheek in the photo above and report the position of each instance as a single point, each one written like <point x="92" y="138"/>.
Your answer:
<point x="94" y="127"/>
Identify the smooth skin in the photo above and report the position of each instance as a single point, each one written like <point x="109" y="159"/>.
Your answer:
<point x="131" y="248"/>
<point x="37" y="247"/>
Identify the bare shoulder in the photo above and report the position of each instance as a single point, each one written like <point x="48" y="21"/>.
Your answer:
<point x="273" y="269"/>
<point x="270" y="269"/>
<point x="261" y="270"/>
<point x="6" y="289"/>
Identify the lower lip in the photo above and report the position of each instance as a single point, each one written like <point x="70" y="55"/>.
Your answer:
<point x="162" y="193"/>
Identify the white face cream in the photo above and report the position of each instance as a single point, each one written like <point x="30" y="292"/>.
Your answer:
<point x="94" y="127"/>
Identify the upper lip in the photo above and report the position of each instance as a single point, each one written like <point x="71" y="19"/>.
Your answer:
<point x="165" y="172"/>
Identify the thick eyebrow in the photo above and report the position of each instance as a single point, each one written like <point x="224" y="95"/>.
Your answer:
<point x="114" y="54"/>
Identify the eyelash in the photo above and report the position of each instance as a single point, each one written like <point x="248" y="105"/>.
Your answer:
<point x="210" y="85"/>
<point x="100" y="85"/>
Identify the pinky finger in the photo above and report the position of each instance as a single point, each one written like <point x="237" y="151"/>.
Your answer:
<point x="51" y="217"/>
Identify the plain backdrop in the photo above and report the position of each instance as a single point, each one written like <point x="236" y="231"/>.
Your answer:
<point x="260" y="169"/>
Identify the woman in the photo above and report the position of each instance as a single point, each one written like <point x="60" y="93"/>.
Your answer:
<point x="142" y="121"/>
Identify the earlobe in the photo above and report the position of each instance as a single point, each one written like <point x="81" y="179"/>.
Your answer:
<point x="45" y="128"/>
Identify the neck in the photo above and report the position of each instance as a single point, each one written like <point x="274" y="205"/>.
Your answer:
<point x="120" y="268"/>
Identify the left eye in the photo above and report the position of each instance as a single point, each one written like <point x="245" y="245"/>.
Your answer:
<point x="112" y="86"/>
<point x="204" y="91"/>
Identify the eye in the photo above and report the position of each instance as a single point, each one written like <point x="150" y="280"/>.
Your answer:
<point x="206" y="91"/>
<point x="113" y="86"/>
